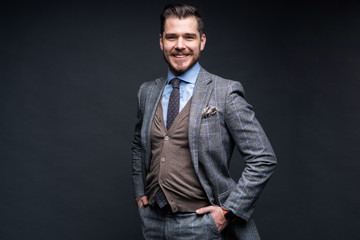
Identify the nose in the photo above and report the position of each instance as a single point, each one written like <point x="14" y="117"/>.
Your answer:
<point x="180" y="44"/>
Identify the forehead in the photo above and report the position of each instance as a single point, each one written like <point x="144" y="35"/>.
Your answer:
<point x="174" y="24"/>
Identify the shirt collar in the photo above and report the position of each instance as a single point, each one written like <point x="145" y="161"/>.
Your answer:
<point x="189" y="76"/>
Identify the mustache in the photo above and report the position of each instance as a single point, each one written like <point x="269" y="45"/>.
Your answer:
<point x="180" y="53"/>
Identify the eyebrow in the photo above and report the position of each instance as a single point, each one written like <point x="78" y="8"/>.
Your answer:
<point x="174" y="34"/>
<point x="190" y="35"/>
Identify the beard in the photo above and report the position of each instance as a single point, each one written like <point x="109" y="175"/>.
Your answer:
<point x="179" y="67"/>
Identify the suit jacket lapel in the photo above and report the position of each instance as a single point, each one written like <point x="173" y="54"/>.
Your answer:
<point x="152" y="101"/>
<point x="200" y="99"/>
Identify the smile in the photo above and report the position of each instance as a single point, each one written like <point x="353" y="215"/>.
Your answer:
<point x="180" y="57"/>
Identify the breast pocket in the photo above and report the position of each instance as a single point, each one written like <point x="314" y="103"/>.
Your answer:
<point x="211" y="125"/>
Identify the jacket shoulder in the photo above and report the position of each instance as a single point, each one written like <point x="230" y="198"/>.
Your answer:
<point x="146" y="86"/>
<point x="221" y="82"/>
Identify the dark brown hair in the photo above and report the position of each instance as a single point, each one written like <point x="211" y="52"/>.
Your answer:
<point x="181" y="11"/>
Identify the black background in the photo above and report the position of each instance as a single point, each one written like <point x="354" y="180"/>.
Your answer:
<point x="68" y="81"/>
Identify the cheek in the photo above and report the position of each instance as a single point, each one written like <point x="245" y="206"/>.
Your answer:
<point x="196" y="48"/>
<point x="167" y="48"/>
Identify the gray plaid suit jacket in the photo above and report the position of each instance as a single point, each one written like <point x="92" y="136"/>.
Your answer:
<point x="212" y="141"/>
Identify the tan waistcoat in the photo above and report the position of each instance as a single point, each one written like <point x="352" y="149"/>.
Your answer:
<point x="171" y="167"/>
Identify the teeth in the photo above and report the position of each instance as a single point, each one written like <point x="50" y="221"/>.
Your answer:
<point x="179" y="56"/>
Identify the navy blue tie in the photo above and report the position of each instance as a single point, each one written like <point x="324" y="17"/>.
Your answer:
<point x="161" y="198"/>
<point x="174" y="103"/>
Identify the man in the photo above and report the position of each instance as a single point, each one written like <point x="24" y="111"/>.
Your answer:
<point x="188" y="125"/>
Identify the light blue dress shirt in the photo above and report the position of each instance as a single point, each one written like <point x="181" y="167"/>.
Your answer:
<point x="186" y="88"/>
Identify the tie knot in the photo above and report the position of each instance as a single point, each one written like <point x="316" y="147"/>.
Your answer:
<point x="175" y="82"/>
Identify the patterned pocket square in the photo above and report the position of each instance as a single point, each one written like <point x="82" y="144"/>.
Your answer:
<point x="208" y="112"/>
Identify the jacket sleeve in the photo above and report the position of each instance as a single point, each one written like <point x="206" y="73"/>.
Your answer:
<point x="136" y="149"/>
<point x="254" y="148"/>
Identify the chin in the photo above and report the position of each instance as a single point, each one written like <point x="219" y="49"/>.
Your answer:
<point x="179" y="71"/>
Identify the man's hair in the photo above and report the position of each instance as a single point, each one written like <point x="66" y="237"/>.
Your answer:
<point x="180" y="11"/>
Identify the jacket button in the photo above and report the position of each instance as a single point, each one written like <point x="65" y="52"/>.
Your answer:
<point x="166" y="138"/>
<point x="162" y="159"/>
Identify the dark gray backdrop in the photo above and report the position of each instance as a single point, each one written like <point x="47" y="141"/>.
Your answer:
<point x="68" y="81"/>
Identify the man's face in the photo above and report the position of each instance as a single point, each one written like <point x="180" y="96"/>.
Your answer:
<point x="181" y="43"/>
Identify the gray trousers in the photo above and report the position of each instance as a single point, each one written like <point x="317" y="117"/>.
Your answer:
<point x="158" y="224"/>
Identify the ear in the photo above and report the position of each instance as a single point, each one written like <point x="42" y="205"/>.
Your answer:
<point x="161" y="42"/>
<point x="202" y="42"/>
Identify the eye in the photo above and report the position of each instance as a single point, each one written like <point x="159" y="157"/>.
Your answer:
<point x="170" y="37"/>
<point x="190" y="37"/>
